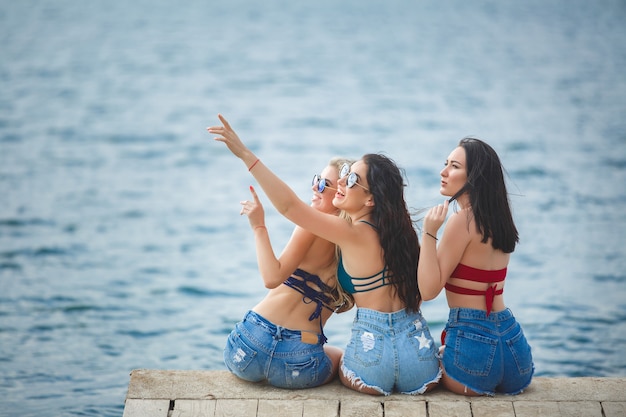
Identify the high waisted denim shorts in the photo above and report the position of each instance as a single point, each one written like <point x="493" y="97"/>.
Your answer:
<point x="258" y="350"/>
<point x="487" y="354"/>
<point x="391" y="351"/>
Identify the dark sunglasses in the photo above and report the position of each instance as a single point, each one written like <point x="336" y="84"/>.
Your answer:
<point x="321" y="183"/>
<point x="352" y="179"/>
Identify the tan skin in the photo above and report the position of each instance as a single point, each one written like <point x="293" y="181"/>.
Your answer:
<point x="282" y="305"/>
<point x="360" y="246"/>
<point x="459" y="243"/>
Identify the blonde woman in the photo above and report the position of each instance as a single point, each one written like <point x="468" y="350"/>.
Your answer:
<point x="281" y="340"/>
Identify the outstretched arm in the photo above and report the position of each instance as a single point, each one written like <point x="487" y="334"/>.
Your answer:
<point x="327" y="226"/>
<point x="274" y="271"/>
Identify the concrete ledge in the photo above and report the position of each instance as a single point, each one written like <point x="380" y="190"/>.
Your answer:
<point x="218" y="393"/>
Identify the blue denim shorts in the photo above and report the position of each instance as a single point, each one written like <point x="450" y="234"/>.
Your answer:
<point x="258" y="350"/>
<point x="487" y="354"/>
<point x="391" y="351"/>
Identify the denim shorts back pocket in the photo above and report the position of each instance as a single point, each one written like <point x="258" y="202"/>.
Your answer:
<point x="520" y="349"/>
<point x="238" y="354"/>
<point x="367" y="347"/>
<point x="302" y="375"/>
<point x="474" y="353"/>
<point x="423" y="344"/>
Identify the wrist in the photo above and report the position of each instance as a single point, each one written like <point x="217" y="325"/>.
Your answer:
<point x="252" y="165"/>
<point x="249" y="158"/>
<point x="434" y="236"/>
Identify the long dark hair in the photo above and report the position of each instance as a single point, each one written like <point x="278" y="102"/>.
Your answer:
<point x="395" y="227"/>
<point x="488" y="196"/>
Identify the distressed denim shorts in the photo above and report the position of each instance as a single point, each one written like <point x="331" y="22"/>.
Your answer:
<point x="487" y="354"/>
<point x="391" y="351"/>
<point x="258" y="350"/>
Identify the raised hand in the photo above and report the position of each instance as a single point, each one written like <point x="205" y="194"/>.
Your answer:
<point x="254" y="210"/>
<point x="228" y="136"/>
<point x="435" y="218"/>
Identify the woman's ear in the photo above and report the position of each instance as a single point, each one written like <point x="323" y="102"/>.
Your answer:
<point x="370" y="202"/>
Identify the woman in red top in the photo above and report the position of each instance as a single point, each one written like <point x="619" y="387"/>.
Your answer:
<point x="484" y="350"/>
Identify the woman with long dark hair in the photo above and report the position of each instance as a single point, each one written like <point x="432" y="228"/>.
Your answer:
<point x="391" y="347"/>
<point x="484" y="347"/>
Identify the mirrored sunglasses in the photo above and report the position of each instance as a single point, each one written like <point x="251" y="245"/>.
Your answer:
<point x="352" y="179"/>
<point x="321" y="183"/>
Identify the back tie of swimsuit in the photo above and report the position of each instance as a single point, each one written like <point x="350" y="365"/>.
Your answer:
<point x="314" y="290"/>
<point x="478" y="275"/>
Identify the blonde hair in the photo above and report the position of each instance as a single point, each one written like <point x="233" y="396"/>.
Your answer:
<point x="343" y="301"/>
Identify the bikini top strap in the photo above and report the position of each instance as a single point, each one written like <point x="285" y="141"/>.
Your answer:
<point x="366" y="222"/>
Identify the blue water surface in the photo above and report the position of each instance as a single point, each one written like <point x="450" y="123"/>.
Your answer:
<point x="121" y="244"/>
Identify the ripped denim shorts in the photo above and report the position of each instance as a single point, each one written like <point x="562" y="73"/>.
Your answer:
<point x="391" y="351"/>
<point x="258" y="350"/>
<point x="487" y="354"/>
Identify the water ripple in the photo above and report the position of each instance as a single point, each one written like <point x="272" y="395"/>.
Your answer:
<point x="119" y="232"/>
<point x="609" y="278"/>
<point x="207" y="292"/>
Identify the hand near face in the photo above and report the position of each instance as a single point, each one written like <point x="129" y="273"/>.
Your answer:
<point x="435" y="218"/>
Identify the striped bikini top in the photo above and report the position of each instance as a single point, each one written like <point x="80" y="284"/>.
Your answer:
<point x="353" y="285"/>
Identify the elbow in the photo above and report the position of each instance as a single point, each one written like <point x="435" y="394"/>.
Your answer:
<point x="427" y="296"/>
<point x="271" y="285"/>
<point x="270" y="282"/>
<point x="428" y="293"/>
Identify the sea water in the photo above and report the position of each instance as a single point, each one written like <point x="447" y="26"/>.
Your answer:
<point x="121" y="243"/>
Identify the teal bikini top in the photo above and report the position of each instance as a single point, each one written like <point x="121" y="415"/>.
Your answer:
<point x="353" y="285"/>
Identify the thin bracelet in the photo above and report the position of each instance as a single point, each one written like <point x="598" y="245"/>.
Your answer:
<point x="434" y="237"/>
<point x="252" y="166"/>
<point x="257" y="227"/>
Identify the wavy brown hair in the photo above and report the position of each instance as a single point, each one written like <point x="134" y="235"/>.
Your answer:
<point x="342" y="300"/>
<point x="395" y="228"/>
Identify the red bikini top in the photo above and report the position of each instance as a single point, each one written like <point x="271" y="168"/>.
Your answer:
<point x="478" y="275"/>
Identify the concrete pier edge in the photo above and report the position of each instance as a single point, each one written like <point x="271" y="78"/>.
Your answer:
<point x="171" y="393"/>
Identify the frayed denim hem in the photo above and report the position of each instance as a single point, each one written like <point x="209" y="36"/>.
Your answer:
<point x="477" y="391"/>
<point x="358" y="383"/>
<point x="492" y="393"/>
<point x="519" y="391"/>
<point x="425" y="386"/>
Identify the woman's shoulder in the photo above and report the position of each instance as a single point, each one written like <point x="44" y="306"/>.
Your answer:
<point x="460" y="219"/>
